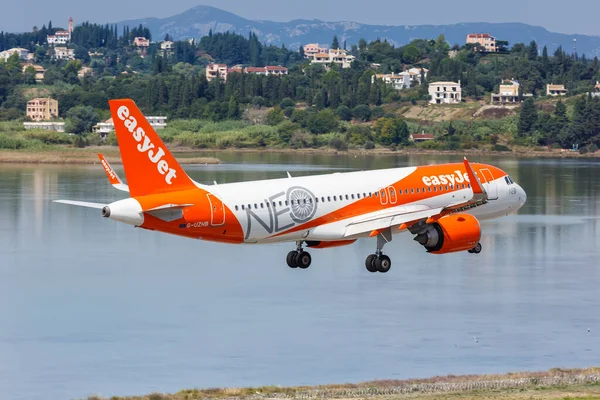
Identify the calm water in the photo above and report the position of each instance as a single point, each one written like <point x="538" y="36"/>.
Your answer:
<point x="89" y="306"/>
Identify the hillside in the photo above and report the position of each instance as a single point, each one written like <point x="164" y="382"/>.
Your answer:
<point x="198" y="21"/>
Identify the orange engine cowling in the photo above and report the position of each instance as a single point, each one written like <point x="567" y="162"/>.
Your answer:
<point x="454" y="232"/>
<point x="315" y="244"/>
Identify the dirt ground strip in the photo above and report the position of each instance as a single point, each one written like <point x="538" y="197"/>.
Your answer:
<point x="553" y="384"/>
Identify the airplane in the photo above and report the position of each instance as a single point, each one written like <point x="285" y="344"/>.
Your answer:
<point x="440" y="205"/>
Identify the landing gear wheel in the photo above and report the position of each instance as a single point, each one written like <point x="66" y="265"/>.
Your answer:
<point x="476" y="249"/>
<point x="303" y="259"/>
<point x="291" y="259"/>
<point x="370" y="263"/>
<point x="383" y="263"/>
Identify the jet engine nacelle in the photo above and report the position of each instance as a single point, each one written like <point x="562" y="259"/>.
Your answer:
<point x="452" y="233"/>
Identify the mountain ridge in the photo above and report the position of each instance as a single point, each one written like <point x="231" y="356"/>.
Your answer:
<point x="199" y="20"/>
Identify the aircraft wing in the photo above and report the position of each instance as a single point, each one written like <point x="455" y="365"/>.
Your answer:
<point x="405" y="216"/>
<point x="113" y="178"/>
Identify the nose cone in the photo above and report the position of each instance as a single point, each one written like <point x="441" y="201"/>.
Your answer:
<point x="522" y="196"/>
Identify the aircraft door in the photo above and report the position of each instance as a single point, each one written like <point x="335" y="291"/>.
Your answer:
<point x="491" y="187"/>
<point x="217" y="210"/>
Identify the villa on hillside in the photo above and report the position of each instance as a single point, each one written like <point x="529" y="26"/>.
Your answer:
<point x="222" y="71"/>
<point x="216" y="70"/>
<point x="40" y="71"/>
<point x="508" y="93"/>
<point x="337" y="56"/>
<point x="23" y="54"/>
<point x="63" y="53"/>
<point x="445" y="92"/>
<point x="61" y="37"/>
<point x="555" y="90"/>
<point x="398" y="82"/>
<point x="42" y="109"/>
<point x="485" y="40"/>
<point x="313" y="48"/>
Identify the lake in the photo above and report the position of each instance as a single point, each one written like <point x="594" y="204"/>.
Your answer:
<point x="89" y="306"/>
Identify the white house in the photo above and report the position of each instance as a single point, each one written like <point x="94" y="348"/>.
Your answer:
<point x="338" y="56"/>
<point x="63" y="53"/>
<point x="49" y="126"/>
<point x="104" y="128"/>
<point x="399" y="81"/>
<point x="445" y="92"/>
<point x="415" y="74"/>
<point x="23" y="53"/>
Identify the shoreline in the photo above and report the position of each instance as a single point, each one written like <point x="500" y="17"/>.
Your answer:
<point x="553" y="384"/>
<point x="88" y="155"/>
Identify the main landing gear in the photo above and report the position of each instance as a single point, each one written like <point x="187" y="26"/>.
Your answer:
<point x="476" y="249"/>
<point x="298" y="258"/>
<point x="379" y="262"/>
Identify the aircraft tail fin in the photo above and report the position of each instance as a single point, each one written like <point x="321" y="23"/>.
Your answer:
<point x="149" y="165"/>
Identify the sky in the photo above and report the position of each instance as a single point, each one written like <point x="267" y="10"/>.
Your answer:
<point x="573" y="16"/>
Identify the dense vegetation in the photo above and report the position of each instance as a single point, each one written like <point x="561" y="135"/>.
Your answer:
<point x="312" y="105"/>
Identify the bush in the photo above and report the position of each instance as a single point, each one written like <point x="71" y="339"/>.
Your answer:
<point x="275" y="117"/>
<point x="362" y="112"/>
<point x="592" y="148"/>
<point x="339" y="143"/>
<point x="360" y="134"/>
<point x="11" y="142"/>
<point x="322" y="122"/>
<point x="287" y="102"/>
<point x="344" y="113"/>
<point x="369" y="145"/>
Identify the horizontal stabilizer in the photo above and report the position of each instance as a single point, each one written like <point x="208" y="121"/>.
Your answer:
<point x="81" y="203"/>
<point x="113" y="178"/>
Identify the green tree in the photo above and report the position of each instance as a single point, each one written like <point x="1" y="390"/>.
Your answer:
<point x="324" y="121"/>
<point x="233" y="110"/>
<point x="390" y="131"/>
<point x="81" y="119"/>
<point x="344" y="113"/>
<point x="528" y="117"/>
<point x="411" y="54"/>
<point x="335" y="44"/>
<point x="275" y="116"/>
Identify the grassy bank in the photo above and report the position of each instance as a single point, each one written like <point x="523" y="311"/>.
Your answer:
<point x="552" y="384"/>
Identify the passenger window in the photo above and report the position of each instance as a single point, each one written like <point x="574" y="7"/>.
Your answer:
<point x="376" y="194"/>
<point x="316" y="199"/>
<point x="435" y="188"/>
<point x="323" y="199"/>
<point x="417" y="190"/>
<point x="243" y="208"/>
<point x="469" y="185"/>
<point x="255" y="206"/>
<point x="353" y="196"/>
<point x="286" y="202"/>
<point x="364" y="195"/>
<point x="412" y="191"/>
<point x="347" y="197"/>
<point x="280" y="203"/>
<point x="328" y="198"/>
<point x="236" y="208"/>
<point x="370" y="194"/>
<point x="429" y="189"/>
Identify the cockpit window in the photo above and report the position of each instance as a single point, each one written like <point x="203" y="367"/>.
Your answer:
<point x="508" y="180"/>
